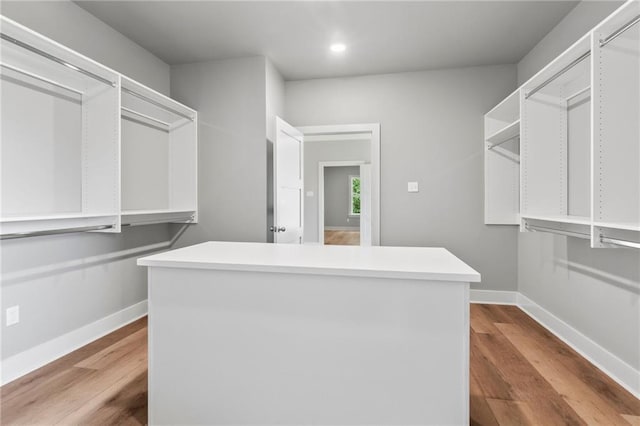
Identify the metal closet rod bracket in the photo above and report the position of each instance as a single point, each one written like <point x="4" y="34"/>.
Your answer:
<point x="44" y="54"/>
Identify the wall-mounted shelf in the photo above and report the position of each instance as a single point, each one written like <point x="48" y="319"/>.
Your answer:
<point x="28" y="224"/>
<point x="505" y="134"/>
<point x="573" y="220"/>
<point x="147" y="217"/>
<point x="555" y="140"/>
<point x="623" y="226"/>
<point x="84" y="147"/>
<point x="502" y="162"/>
<point x="60" y="136"/>
<point x="616" y="132"/>
<point x="579" y="163"/>
<point x="159" y="155"/>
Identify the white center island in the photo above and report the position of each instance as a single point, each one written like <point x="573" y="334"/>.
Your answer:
<point x="252" y="333"/>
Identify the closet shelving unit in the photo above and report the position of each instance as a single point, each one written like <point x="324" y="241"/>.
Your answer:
<point x="580" y="139"/>
<point x="60" y="138"/>
<point x="85" y="148"/>
<point x="502" y="162"/>
<point x="616" y="129"/>
<point x="159" y="157"/>
<point x="556" y="145"/>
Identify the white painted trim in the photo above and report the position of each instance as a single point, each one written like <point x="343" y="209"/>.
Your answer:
<point x="364" y="137"/>
<point x="339" y="128"/>
<point x="624" y="374"/>
<point x="374" y="130"/>
<point x="342" y="228"/>
<point x="25" y="362"/>
<point x="493" y="297"/>
<point x="621" y="372"/>
<point x="321" y="166"/>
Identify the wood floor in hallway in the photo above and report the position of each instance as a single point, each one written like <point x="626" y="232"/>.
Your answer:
<point x="520" y="375"/>
<point x="342" y="238"/>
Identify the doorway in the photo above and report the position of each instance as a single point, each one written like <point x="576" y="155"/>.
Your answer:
<point x="341" y="204"/>
<point x="334" y="146"/>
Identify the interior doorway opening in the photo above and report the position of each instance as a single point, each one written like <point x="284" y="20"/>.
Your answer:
<point x="340" y="202"/>
<point x="333" y="146"/>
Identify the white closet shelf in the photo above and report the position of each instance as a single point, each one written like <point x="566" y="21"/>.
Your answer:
<point x="57" y="216"/>
<point x="142" y="217"/>
<point x="502" y="167"/>
<point x="107" y="156"/>
<point x="27" y="224"/>
<point x="508" y="132"/>
<point x="573" y="220"/>
<point x="624" y="226"/>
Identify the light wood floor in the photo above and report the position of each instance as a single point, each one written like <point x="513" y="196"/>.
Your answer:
<point x="520" y="375"/>
<point x="342" y="238"/>
<point x="103" y="383"/>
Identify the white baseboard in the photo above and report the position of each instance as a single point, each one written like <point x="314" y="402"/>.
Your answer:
<point x="25" y="362"/>
<point x="20" y="364"/>
<point x="494" y="297"/>
<point x="624" y="374"/>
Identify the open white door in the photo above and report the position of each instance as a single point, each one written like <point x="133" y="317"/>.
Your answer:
<point x="365" y="205"/>
<point x="287" y="180"/>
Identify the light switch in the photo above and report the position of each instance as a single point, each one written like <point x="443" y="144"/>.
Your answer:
<point x="412" y="186"/>
<point x="13" y="315"/>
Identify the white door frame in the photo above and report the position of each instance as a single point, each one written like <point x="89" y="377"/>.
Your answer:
<point x="321" y="167"/>
<point x="346" y="129"/>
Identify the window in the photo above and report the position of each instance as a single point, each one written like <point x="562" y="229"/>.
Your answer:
<point x="354" y="195"/>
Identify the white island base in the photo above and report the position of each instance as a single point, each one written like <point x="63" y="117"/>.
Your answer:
<point x="243" y="333"/>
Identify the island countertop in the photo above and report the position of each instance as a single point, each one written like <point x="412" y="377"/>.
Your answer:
<point x="419" y="263"/>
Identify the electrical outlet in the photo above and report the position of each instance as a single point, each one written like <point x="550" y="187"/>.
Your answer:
<point x="412" y="186"/>
<point x="13" y="315"/>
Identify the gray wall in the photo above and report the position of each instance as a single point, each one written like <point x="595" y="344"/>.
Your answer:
<point x="67" y="23"/>
<point x="65" y="282"/>
<point x="336" y="197"/>
<point x="595" y="291"/>
<point x="315" y="152"/>
<point x="274" y="88"/>
<point x="432" y="132"/>
<point x="230" y="96"/>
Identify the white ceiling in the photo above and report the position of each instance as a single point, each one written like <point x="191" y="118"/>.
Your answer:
<point x="382" y="36"/>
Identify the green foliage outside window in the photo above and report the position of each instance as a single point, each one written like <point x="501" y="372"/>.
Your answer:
<point x="355" y="195"/>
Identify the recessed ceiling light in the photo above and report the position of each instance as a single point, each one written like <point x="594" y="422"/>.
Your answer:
<point x="338" y="47"/>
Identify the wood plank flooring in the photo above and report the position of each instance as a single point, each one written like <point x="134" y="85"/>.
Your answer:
<point x="342" y="238"/>
<point x="102" y="383"/>
<point x="520" y="375"/>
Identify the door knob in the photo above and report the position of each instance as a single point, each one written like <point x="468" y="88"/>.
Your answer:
<point x="280" y="229"/>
